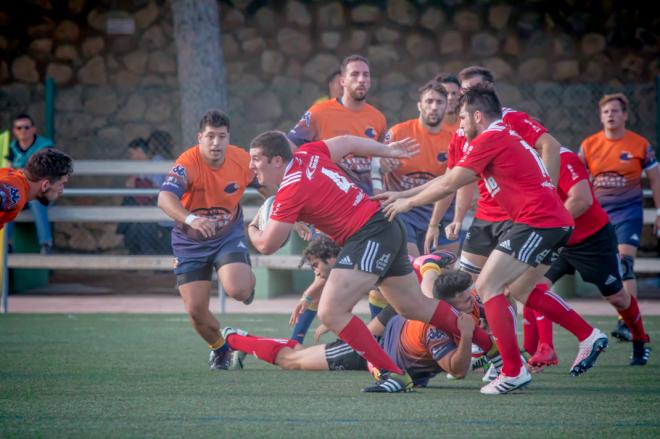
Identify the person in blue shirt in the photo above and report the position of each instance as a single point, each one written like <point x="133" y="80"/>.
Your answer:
<point x="26" y="142"/>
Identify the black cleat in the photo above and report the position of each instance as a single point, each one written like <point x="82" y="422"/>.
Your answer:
<point x="220" y="358"/>
<point x="621" y="332"/>
<point x="391" y="383"/>
<point x="640" y="354"/>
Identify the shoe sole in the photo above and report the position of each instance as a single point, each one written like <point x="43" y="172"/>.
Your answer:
<point x="543" y="363"/>
<point x="600" y="345"/>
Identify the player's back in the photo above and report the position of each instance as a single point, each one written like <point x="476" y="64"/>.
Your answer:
<point x="515" y="177"/>
<point x="14" y="190"/>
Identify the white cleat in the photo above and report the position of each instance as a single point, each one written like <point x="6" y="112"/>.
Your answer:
<point x="588" y="352"/>
<point x="504" y="384"/>
<point x="490" y="374"/>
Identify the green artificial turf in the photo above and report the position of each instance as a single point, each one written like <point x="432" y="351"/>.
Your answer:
<point x="100" y="375"/>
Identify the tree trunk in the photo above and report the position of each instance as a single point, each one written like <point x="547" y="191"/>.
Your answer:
<point x="200" y="61"/>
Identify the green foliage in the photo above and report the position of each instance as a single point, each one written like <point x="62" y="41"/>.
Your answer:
<point x="146" y="376"/>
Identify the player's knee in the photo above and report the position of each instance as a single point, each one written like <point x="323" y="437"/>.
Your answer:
<point x="238" y="291"/>
<point x="287" y="359"/>
<point x="620" y="300"/>
<point x="627" y="264"/>
<point x="486" y="290"/>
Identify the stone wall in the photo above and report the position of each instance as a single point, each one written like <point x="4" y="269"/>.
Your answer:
<point x="278" y="54"/>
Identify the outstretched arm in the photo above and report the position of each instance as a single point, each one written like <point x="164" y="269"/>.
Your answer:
<point x="343" y="145"/>
<point x="436" y="189"/>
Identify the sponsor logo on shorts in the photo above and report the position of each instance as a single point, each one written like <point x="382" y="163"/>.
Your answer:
<point x="610" y="279"/>
<point x="346" y="260"/>
<point x="634" y="237"/>
<point x="241" y="244"/>
<point x="506" y="245"/>
<point x="381" y="263"/>
<point x="542" y="255"/>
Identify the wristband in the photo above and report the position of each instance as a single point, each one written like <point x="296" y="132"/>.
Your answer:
<point x="190" y="218"/>
<point x="307" y="299"/>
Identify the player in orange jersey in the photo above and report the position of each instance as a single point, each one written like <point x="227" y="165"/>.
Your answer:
<point x="202" y="194"/>
<point x="616" y="158"/>
<point x="42" y="179"/>
<point x="350" y="114"/>
<point x="431" y="162"/>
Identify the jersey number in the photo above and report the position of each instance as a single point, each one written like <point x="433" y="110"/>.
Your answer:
<point x="538" y="160"/>
<point x="341" y="181"/>
<point x="491" y="186"/>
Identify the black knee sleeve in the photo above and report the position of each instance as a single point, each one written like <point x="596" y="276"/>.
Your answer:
<point x="627" y="263"/>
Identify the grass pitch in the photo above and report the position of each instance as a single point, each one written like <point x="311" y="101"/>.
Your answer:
<point x="100" y="375"/>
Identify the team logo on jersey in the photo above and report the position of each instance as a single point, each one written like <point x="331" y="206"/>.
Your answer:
<point x="9" y="196"/>
<point x="625" y="156"/>
<point x="370" y="133"/>
<point x="307" y="118"/>
<point x="179" y="170"/>
<point x="232" y="187"/>
<point x="311" y="168"/>
<point x="442" y="157"/>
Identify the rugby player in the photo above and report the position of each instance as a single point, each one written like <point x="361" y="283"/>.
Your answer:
<point x="42" y="179"/>
<point x="517" y="180"/>
<point x="616" y="158"/>
<point x="201" y="194"/>
<point x="592" y="252"/>
<point x="431" y="162"/>
<point x="420" y="349"/>
<point x="314" y="190"/>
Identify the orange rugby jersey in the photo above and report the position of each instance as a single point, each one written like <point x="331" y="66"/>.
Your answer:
<point x="213" y="193"/>
<point x="616" y="166"/>
<point x="14" y="190"/>
<point x="329" y="119"/>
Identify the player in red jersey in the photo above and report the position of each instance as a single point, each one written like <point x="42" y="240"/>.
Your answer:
<point x="490" y="220"/>
<point x="516" y="178"/>
<point x="202" y="193"/>
<point x="591" y="251"/>
<point x="42" y="179"/>
<point x="314" y="190"/>
<point x="431" y="162"/>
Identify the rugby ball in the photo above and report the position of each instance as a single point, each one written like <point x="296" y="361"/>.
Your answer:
<point x="263" y="215"/>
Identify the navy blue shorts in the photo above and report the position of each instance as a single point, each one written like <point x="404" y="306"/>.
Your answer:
<point x="629" y="231"/>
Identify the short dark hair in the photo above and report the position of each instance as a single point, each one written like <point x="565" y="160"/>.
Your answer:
<point x="432" y="85"/>
<point x="215" y="119"/>
<point x="447" y="78"/>
<point x="451" y="282"/>
<point x="352" y="58"/>
<point x="333" y="75"/>
<point x="48" y="163"/>
<point x="472" y="71"/>
<point x="322" y="248"/>
<point x="140" y="143"/>
<point x="24" y="116"/>
<point x="273" y="144"/>
<point x="481" y="97"/>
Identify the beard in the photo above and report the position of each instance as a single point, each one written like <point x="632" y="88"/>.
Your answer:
<point x="471" y="133"/>
<point x="432" y="120"/>
<point x="359" y="95"/>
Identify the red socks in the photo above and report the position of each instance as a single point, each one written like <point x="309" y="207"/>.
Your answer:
<point x="502" y="326"/>
<point x="356" y="334"/>
<point x="536" y="329"/>
<point x="265" y="349"/>
<point x="553" y="307"/>
<point x="444" y="318"/>
<point x="633" y="319"/>
<point x="530" y="330"/>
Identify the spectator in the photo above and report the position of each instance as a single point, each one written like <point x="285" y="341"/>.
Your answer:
<point x="143" y="238"/>
<point x="25" y="144"/>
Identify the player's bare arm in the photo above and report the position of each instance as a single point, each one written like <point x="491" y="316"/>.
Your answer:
<point x="457" y="363"/>
<point x="464" y="197"/>
<point x="579" y="198"/>
<point x="653" y="175"/>
<point x="548" y="147"/>
<point x="436" y="189"/>
<point x="341" y="146"/>
<point x="271" y="238"/>
<point x="433" y="232"/>
<point x="171" y="205"/>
